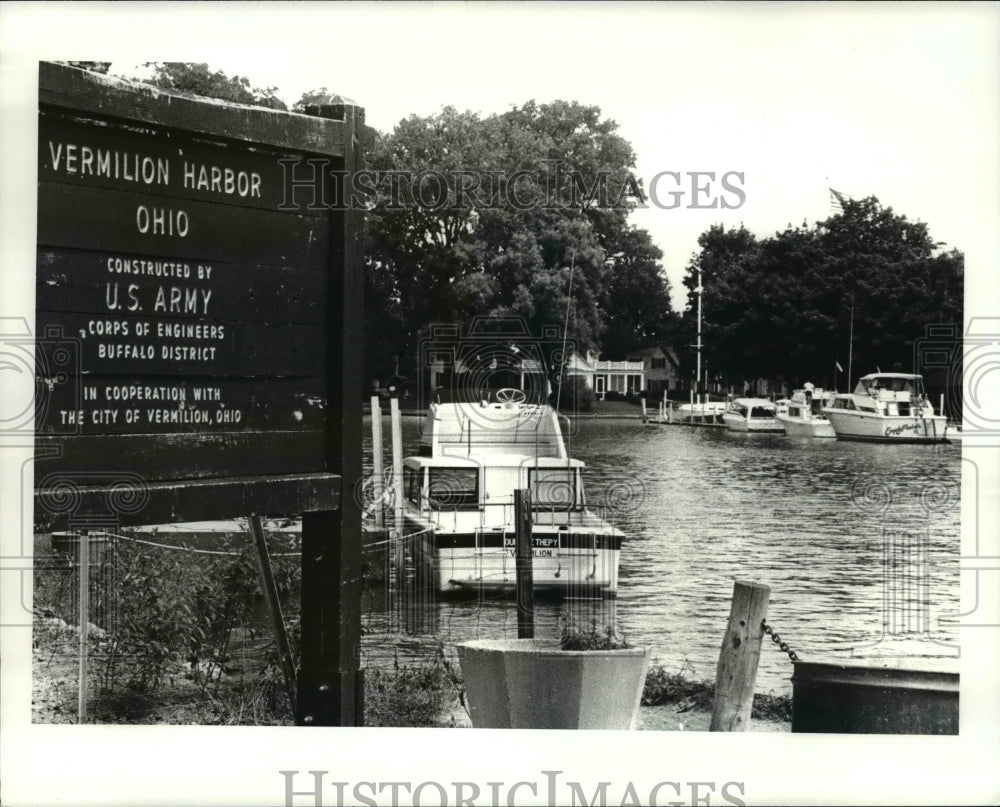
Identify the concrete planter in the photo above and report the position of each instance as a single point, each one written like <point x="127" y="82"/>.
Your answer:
<point x="532" y="684"/>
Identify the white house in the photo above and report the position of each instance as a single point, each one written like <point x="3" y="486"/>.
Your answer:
<point x="660" y="367"/>
<point x="607" y="376"/>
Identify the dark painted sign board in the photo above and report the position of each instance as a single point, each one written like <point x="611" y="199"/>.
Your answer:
<point x="197" y="317"/>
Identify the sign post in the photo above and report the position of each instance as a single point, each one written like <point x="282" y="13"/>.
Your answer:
<point x="199" y="346"/>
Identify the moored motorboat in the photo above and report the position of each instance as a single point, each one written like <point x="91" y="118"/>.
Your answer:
<point x="459" y="501"/>
<point x="703" y="412"/>
<point x="752" y="415"/>
<point x="887" y="408"/>
<point x="804" y="416"/>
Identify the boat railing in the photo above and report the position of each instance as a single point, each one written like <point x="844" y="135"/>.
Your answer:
<point x="544" y="516"/>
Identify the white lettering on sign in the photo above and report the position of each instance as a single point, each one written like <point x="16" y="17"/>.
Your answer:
<point x="181" y="300"/>
<point x="221" y="179"/>
<point x="140" y="266"/>
<point x="161" y="221"/>
<point x="72" y="158"/>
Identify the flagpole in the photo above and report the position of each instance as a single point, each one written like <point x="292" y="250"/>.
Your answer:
<point x="850" y="346"/>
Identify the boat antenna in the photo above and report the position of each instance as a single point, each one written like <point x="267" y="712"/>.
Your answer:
<point x="569" y="300"/>
<point x="850" y="345"/>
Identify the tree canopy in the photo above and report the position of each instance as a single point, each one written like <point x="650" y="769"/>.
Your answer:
<point x="200" y="79"/>
<point x="526" y="213"/>
<point x="523" y="214"/>
<point x="782" y="308"/>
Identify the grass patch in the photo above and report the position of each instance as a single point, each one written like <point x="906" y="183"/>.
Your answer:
<point x="667" y="688"/>
<point x="418" y="695"/>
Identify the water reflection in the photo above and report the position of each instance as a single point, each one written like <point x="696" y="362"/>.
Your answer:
<point x="859" y="543"/>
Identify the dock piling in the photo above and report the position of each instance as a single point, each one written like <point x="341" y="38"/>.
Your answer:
<point x="739" y="656"/>
<point x="525" y="574"/>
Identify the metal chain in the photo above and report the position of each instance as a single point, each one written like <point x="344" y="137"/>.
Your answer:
<point x="777" y="640"/>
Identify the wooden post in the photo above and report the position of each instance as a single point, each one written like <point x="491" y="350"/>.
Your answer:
<point x="525" y="573"/>
<point x="644" y="418"/>
<point x="273" y="606"/>
<point x="330" y="685"/>
<point x="737" y="670"/>
<point x="397" y="467"/>
<point x="83" y="568"/>
<point x="378" y="478"/>
<point x="404" y="589"/>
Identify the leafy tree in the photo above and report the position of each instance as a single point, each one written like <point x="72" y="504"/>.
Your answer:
<point x="504" y="213"/>
<point x="93" y="67"/>
<point x="637" y="308"/>
<point x="319" y="97"/>
<point x="782" y="308"/>
<point x="199" y="79"/>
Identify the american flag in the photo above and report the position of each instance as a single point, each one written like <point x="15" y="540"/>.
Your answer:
<point x="837" y="200"/>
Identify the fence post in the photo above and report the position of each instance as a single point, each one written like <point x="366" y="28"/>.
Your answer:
<point x="267" y="584"/>
<point x="525" y="573"/>
<point x="404" y="590"/>
<point x="738" y="659"/>
<point x="83" y="556"/>
<point x="378" y="479"/>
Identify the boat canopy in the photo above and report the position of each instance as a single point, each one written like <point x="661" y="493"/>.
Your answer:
<point x="478" y="428"/>
<point x="750" y="402"/>
<point x="892" y="382"/>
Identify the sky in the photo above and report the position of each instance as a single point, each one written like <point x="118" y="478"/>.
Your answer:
<point x="795" y="99"/>
<point x="870" y="99"/>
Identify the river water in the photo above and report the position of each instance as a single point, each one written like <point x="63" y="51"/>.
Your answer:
<point x="858" y="542"/>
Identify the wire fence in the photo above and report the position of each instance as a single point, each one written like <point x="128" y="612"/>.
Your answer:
<point x="161" y="616"/>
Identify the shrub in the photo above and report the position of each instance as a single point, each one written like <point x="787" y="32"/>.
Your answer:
<point x="575" y="396"/>
<point x="592" y="638"/>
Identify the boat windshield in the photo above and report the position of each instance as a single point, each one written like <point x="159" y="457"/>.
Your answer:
<point x="553" y="487"/>
<point x="762" y="412"/>
<point x="912" y="384"/>
<point x="453" y="488"/>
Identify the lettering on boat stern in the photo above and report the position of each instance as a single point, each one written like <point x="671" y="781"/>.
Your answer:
<point x="894" y="431"/>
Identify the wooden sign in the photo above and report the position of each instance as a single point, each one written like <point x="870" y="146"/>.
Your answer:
<point x="198" y="307"/>
<point x="192" y="287"/>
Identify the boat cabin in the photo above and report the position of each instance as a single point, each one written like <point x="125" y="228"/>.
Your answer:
<point x="890" y="394"/>
<point x="891" y="386"/>
<point x="753" y="408"/>
<point x="805" y="406"/>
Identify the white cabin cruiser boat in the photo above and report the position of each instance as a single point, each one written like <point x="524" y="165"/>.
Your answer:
<point x="459" y="501"/>
<point x="752" y="415"/>
<point x="887" y="408"/>
<point x="804" y="416"/>
<point x="704" y="412"/>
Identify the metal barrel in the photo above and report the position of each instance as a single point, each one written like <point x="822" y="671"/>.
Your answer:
<point x="856" y="699"/>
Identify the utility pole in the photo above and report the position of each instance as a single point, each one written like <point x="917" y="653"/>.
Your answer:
<point x="697" y="377"/>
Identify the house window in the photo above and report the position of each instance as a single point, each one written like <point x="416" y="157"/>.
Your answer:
<point x="658" y="364"/>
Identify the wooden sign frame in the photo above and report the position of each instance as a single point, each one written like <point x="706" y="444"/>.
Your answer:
<point x="199" y="334"/>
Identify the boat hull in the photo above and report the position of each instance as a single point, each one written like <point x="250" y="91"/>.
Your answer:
<point x="798" y="427"/>
<point x="564" y="561"/>
<point x="741" y="424"/>
<point x="875" y="428"/>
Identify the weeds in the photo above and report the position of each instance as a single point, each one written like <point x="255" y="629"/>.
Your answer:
<point x="416" y="695"/>
<point x="592" y="638"/>
<point x="664" y="687"/>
